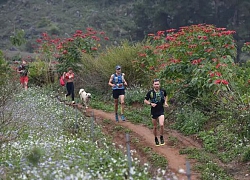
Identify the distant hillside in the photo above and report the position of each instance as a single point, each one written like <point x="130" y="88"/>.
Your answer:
<point x="63" y="17"/>
<point x="120" y="19"/>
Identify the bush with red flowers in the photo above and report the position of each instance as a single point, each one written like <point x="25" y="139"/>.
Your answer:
<point x="68" y="51"/>
<point x="192" y="59"/>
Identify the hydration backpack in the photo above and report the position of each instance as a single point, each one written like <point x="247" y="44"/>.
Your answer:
<point x="153" y="96"/>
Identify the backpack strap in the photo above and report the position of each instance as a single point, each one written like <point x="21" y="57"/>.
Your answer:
<point x="153" y="95"/>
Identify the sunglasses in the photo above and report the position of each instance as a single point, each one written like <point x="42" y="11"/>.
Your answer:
<point x="118" y="69"/>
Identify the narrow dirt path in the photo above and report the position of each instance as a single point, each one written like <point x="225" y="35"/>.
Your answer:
<point x="175" y="160"/>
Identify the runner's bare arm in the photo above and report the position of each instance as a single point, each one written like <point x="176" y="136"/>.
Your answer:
<point x="110" y="81"/>
<point x="147" y="102"/>
<point x="125" y="82"/>
<point x="166" y="101"/>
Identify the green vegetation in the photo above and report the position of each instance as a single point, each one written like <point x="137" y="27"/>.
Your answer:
<point x="156" y="159"/>
<point x="46" y="149"/>
<point x="207" y="166"/>
<point x="189" y="121"/>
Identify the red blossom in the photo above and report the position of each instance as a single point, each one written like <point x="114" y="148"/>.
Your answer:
<point x="170" y="30"/>
<point x="157" y="37"/>
<point x="142" y="54"/>
<point x="77" y="35"/>
<point x="78" y="32"/>
<point x="196" y="61"/>
<point x="220" y="29"/>
<point x="146" y="47"/>
<point x="218" y="74"/>
<point x="184" y="27"/>
<point x="89" y="29"/>
<point x="83" y="36"/>
<point x="44" y="34"/>
<point x="39" y="40"/>
<point x="70" y="39"/>
<point x="221" y="81"/>
<point x="59" y="47"/>
<point x="95" y="38"/>
<point x="151" y="35"/>
<point x="94" y="48"/>
<point x="225" y="82"/>
<point x="175" y="61"/>
<point x="170" y="38"/>
<point x="228" y="32"/>
<point x="192" y="46"/>
<point x="209" y="50"/>
<point x="163" y="65"/>
<point x="163" y="46"/>
<point x="160" y="33"/>
<point x="217" y="81"/>
<point x="211" y="74"/>
<point x="93" y="32"/>
<point x="217" y="66"/>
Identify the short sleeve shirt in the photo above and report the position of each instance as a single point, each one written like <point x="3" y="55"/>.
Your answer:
<point x="158" y="98"/>
<point x="24" y="69"/>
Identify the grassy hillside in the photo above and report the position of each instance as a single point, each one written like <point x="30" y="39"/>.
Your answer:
<point x="62" y="17"/>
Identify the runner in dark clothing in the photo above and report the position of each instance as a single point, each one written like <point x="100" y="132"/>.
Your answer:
<point x="157" y="99"/>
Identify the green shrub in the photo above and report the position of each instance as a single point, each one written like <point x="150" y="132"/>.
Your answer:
<point x="54" y="30"/>
<point x="246" y="155"/>
<point x="212" y="171"/>
<point x="222" y="142"/>
<point x="135" y="95"/>
<point x="189" y="121"/>
<point x="34" y="155"/>
<point x="38" y="73"/>
<point x="4" y="69"/>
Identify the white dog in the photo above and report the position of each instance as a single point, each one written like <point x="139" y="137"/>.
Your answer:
<point x="85" y="97"/>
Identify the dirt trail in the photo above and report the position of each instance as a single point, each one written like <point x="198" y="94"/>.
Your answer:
<point x="175" y="160"/>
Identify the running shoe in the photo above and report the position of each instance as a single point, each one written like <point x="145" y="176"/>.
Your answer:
<point x="162" y="141"/>
<point x="156" y="142"/>
<point x="123" y="117"/>
<point x="116" y="117"/>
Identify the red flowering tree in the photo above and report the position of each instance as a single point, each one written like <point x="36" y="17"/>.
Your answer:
<point x="67" y="52"/>
<point x="193" y="59"/>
